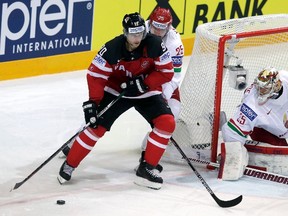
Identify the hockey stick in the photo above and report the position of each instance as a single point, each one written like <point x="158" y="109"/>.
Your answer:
<point x="17" y="185"/>
<point x="251" y="172"/>
<point x="221" y="203"/>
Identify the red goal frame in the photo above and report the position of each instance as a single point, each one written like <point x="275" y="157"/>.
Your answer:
<point x="219" y="79"/>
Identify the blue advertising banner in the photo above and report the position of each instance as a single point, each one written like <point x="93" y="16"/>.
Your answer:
<point x="37" y="28"/>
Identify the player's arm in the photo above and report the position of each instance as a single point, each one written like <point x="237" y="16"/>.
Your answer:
<point x="176" y="50"/>
<point x="240" y="125"/>
<point x="163" y="67"/>
<point x="97" y="76"/>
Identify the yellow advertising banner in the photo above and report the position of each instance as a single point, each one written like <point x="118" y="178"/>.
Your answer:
<point x="187" y="14"/>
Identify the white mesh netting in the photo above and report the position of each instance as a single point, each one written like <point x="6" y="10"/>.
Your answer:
<point x="257" y="48"/>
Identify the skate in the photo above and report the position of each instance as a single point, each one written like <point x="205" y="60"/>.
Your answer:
<point x="65" y="173"/>
<point x="158" y="168"/>
<point x="66" y="149"/>
<point x="146" y="177"/>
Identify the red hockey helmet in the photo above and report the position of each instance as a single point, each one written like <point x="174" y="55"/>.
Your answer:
<point x="160" y="21"/>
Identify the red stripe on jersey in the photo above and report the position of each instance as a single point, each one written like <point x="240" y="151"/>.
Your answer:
<point x="100" y="71"/>
<point x="238" y="128"/>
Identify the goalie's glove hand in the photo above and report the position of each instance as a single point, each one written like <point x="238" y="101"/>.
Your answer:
<point x="90" y="113"/>
<point x="134" y="87"/>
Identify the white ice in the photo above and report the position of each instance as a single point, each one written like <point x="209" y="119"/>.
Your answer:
<point x="39" y="114"/>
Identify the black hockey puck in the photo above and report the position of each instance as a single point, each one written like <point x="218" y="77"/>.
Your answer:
<point x="60" y="202"/>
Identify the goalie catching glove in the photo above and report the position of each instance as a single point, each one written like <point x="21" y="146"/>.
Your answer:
<point x="90" y="113"/>
<point x="234" y="159"/>
<point x="134" y="87"/>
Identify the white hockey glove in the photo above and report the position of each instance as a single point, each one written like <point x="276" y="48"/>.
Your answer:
<point x="168" y="90"/>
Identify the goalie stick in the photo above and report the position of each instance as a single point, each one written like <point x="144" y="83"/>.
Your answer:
<point x="17" y="185"/>
<point x="221" y="203"/>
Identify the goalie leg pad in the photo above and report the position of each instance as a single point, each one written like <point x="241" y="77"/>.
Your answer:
<point x="234" y="159"/>
<point x="273" y="158"/>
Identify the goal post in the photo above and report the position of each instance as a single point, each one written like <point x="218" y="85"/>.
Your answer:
<point x="223" y="52"/>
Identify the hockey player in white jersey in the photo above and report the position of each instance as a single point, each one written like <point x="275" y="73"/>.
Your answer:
<point x="160" y="24"/>
<point x="263" y="112"/>
<point x="262" y="116"/>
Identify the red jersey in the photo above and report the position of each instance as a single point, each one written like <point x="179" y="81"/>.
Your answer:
<point x="114" y="65"/>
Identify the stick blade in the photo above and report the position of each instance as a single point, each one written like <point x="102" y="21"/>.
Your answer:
<point x="17" y="185"/>
<point x="228" y="203"/>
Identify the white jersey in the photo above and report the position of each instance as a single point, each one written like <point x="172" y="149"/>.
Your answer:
<point x="173" y="42"/>
<point x="271" y="116"/>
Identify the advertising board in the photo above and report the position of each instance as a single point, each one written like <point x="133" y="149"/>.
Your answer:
<point x="30" y="29"/>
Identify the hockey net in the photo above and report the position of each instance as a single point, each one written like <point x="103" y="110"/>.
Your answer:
<point x="252" y="42"/>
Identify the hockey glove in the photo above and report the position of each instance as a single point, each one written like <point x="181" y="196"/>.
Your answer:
<point x="90" y="113"/>
<point x="134" y="87"/>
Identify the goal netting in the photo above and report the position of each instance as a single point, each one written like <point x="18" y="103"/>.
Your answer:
<point x="250" y="43"/>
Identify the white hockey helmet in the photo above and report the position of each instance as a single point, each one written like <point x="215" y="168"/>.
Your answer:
<point x="268" y="84"/>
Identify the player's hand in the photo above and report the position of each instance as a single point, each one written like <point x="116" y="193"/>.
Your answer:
<point x="134" y="87"/>
<point x="90" y="113"/>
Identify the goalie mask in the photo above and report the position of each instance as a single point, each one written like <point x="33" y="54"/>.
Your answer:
<point x="267" y="84"/>
<point x="134" y="24"/>
<point x="160" y="21"/>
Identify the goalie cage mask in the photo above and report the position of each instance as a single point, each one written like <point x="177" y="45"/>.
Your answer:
<point x="268" y="84"/>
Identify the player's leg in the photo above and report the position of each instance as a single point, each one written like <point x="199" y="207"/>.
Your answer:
<point x="86" y="140"/>
<point x="262" y="135"/>
<point x="175" y="106"/>
<point x="81" y="147"/>
<point x="158" y="167"/>
<point x="156" y="111"/>
<point x="67" y="148"/>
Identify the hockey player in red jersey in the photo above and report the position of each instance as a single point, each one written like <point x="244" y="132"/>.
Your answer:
<point x="143" y="63"/>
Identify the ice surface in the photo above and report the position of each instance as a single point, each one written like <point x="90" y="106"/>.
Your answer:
<point x="39" y="114"/>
